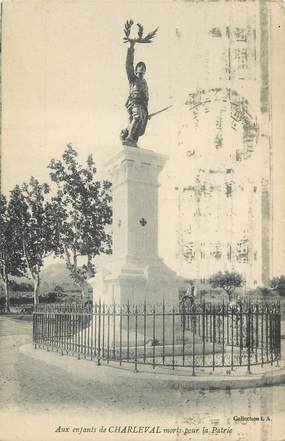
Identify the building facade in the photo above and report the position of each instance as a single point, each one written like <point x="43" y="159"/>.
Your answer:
<point x="224" y="148"/>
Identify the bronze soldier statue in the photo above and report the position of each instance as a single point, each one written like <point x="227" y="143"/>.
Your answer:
<point x="137" y="102"/>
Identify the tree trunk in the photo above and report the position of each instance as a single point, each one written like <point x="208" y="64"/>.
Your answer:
<point x="36" y="288"/>
<point x="84" y="292"/>
<point x="6" y="291"/>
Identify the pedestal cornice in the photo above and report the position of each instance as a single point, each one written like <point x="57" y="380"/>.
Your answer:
<point x="138" y="155"/>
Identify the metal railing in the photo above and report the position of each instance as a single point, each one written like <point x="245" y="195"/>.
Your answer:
<point x="195" y="336"/>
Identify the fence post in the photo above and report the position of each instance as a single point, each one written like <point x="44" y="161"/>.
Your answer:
<point x="108" y="334"/>
<point x="128" y="330"/>
<point x="279" y="332"/>
<point x="223" y="333"/>
<point x="248" y="338"/>
<point x="256" y="333"/>
<point x="193" y="320"/>
<point x="84" y="329"/>
<point x="91" y="331"/>
<point x="103" y="331"/>
<point x="232" y="339"/>
<point x="47" y="327"/>
<point x="88" y="322"/>
<point x="121" y="326"/>
<point x="144" y="331"/>
<point x="114" y="330"/>
<point x="61" y="331"/>
<point x="52" y="327"/>
<point x="214" y="335"/>
<point x="95" y="319"/>
<point x="271" y="327"/>
<point x="65" y="315"/>
<point x="203" y="324"/>
<point x="153" y="338"/>
<point x="173" y="337"/>
<point x="266" y="332"/>
<point x="163" y="332"/>
<point x="275" y="328"/>
<point x="241" y="335"/>
<point x="99" y="335"/>
<point x="183" y="333"/>
<point x="35" y="326"/>
<point x="136" y="339"/>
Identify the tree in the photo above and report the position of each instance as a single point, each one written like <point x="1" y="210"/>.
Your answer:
<point x="22" y="287"/>
<point x="11" y="258"/>
<point x="278" y="284"/>
<point x="82" y="208"/>
<point x="32" y="215"/>
<point x="228" y="281"/>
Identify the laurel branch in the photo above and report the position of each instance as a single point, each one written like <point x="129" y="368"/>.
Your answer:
<point x="141" y="39"/>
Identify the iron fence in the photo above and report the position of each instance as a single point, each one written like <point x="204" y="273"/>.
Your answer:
<point x="186" y="335"/>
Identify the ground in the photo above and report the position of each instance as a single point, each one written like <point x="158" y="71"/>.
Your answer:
<point x="38" y="392"/>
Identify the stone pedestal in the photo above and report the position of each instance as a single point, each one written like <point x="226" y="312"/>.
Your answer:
<point x="135" y="272"/>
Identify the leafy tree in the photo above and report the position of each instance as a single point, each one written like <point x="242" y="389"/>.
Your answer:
<point x="82" y="208"/>
<point x="11" y="259"/>
<point x="50" y="297"/>
<point x="278" y="284"/>
<point x="33" y="216"/>
<point x="228" y="281"/>
<point x="22" y="287"/>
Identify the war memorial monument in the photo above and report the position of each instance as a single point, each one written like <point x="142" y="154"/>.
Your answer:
<point x="135" y="272"/>
<point x="138" y="314"/>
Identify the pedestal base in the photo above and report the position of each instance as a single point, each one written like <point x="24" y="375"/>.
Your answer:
<point x="133" y="281"/>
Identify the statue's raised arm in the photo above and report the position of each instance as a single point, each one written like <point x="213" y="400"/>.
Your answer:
<point x="137" y="102"/>
<point x="130" y="62"/>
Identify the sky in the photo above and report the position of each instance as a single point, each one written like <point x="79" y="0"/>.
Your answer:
<point x="63" y="80"/>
